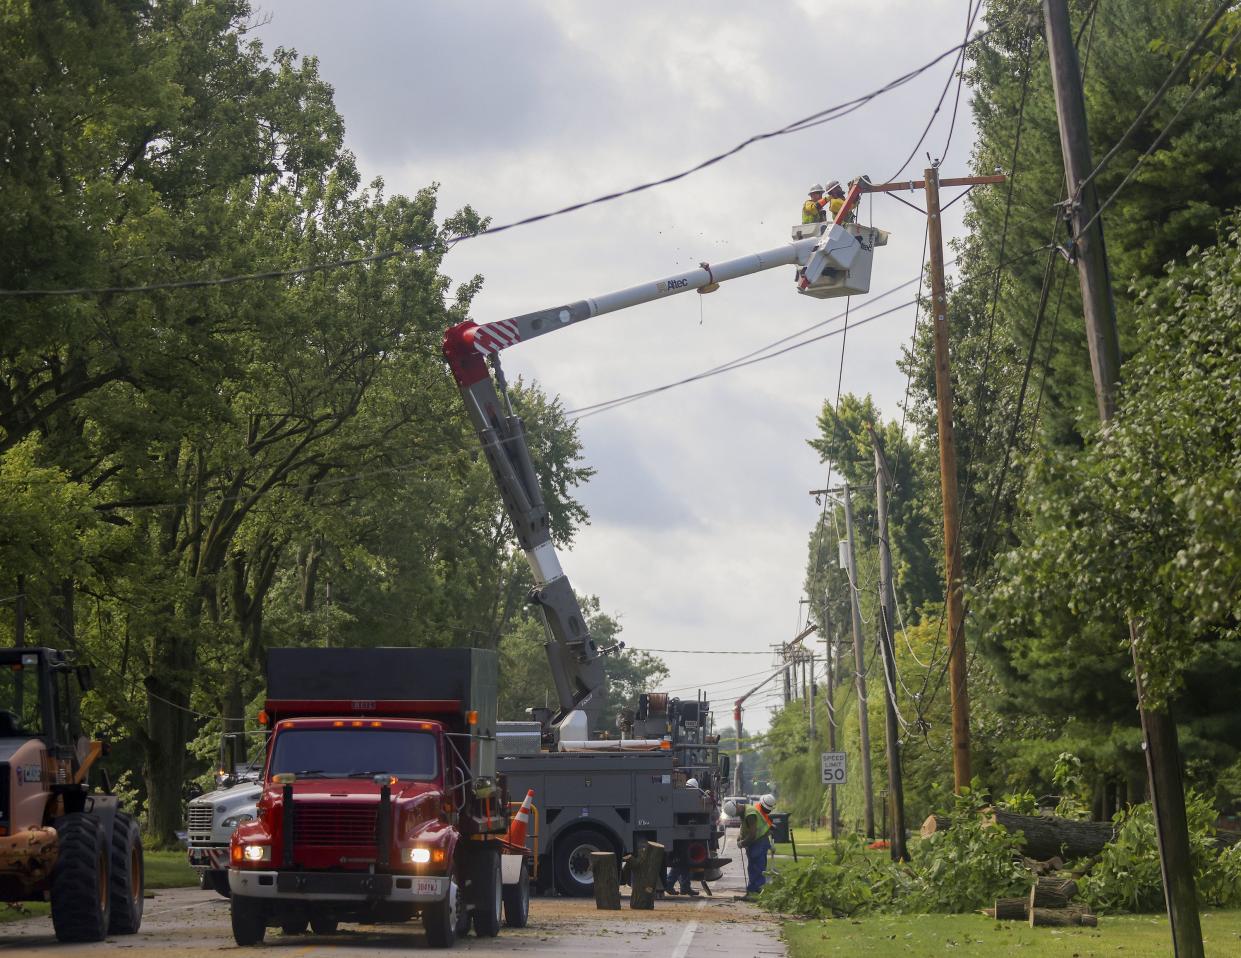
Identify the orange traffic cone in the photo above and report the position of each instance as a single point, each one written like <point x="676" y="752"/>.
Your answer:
<point x="517" y="830"/>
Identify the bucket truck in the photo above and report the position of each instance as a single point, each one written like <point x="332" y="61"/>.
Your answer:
<point x="608" y="794"/>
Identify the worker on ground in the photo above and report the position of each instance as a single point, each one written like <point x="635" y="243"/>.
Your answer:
<point x="676" y="878"/>
<point x="755" y="839"/>
<point x="812" y="210"/>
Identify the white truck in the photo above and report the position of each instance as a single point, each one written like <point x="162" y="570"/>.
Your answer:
<point x="211" y="820"/>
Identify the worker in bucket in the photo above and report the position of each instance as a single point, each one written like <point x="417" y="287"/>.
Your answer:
<point x="755" y="840"/>
<point x="833" y="199"/>
<point x="676" y="877"/>
<point x="812" y="210"/>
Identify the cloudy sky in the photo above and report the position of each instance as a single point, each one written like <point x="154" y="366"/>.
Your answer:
<point x="700" y="512"/>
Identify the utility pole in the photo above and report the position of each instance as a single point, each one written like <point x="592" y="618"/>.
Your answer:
<point x="859" y="665"/>
<point x="1158" y="727"/>
<point x="814" y="735"/>
<point x="831" y="717"/>
<point x="957" y="683"/>
<point x="887" y="606"/>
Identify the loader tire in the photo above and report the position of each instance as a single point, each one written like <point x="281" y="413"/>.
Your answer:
<point x="128" y="877"/>
<point x="81" y="889"/>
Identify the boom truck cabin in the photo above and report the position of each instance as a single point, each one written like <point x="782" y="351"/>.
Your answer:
<point x="380" y="800"/>
<point x="599" y="793"/>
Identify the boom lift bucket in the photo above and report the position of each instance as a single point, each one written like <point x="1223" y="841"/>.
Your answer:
<point x="841" y="264"/>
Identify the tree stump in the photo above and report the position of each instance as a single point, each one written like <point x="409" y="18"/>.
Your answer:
<point x="646" y="875"/>
<point x="1011" y="909"/>
<point x="607" y="881"/>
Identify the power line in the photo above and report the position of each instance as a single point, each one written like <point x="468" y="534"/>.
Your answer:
<point x="1181" y="65"/>
<point x="814" y="119"/>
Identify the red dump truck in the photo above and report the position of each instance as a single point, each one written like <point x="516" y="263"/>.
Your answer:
<point x="380" y="799"/>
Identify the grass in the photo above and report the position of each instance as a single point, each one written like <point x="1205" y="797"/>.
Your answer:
<point x="169" y="870"/>
<point x="882" y="936"/>
<point x="163" y="870"/>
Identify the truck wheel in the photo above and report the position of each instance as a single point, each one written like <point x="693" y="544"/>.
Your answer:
<point x="81" y="890"/>
<point x="249" y="921"/>
<point x="572" y="862"/>
<point x="517" y="901"/>
<point x="487" y="894"/>
<point x="294" y="926"/>
<point x="219" y="881"/>
<point x="128" y="876"/>
<point x="322" y="925"/>
<point x="440" y="919"/>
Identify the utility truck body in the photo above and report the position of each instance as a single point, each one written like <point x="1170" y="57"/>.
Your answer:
<point x="380" y="800"/>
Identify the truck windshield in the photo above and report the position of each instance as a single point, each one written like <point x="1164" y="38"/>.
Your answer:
<point x="356" y="753"/>
<point x="19" y="699"/>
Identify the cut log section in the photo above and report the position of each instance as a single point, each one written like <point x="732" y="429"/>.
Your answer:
<point x="1010" y="909"/>
<point x="647" y="876"/>
<point x="607" y="880"/>
<point x="1043" y="836"/>
<point x="1061" y="918"/>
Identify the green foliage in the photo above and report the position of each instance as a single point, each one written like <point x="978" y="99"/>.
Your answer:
<point x="847" y="881"/>
<point x="1128" y="876"/>
<point x="955" y="870"/>
<point x="967" y="866"/>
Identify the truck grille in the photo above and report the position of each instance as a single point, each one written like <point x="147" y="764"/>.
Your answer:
<point x="334" y="825"/>
<point x="200" y="819"/>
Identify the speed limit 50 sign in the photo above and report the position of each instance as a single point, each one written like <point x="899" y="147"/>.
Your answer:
<point x="834" y="768"/>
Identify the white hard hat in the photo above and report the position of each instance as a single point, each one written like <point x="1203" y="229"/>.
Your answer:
<point x="768" y="801"/>
<point x="832" y="185"/>
<point x="817" y="188"/>
<point x="730" y="809"/>
<point x="691" y="783"/>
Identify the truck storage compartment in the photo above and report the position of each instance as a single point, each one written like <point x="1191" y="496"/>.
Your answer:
<point x="443" y="684"/>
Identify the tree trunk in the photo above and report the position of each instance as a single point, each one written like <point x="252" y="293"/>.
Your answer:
<point x="607" y="881"/>
<point x="1044" y="836"/>
<point x="1053" y="892"/>
<point x="646" y="874"/>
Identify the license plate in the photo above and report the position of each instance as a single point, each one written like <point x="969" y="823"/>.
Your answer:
<point x="426" y="886"/>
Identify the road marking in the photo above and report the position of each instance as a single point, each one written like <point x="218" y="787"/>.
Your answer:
<point x="687" y="939"/>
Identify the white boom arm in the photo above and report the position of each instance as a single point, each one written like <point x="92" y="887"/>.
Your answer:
<point x="571" y="653"/>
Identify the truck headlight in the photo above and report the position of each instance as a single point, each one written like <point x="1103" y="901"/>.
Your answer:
<point x="256" y="853"/>
<point x="235" y="820"/>
<point x="415" y="856"/>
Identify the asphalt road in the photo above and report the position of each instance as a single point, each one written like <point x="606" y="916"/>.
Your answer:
<point x="189" y="923"/>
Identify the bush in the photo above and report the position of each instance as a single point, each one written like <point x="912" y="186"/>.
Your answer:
<point x="1128" y="876"/>
<point x="967" y="866"/>
<point x="958" y="870"/>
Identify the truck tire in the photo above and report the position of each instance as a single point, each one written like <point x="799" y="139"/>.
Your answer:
<point x="294" y="926"/>
<point x="517" y="901"/>
<point x="81" y="890"/>
<point x="248" y="919"/>
<point x="218" y="879"/>
<point x="324" y="925"/>
<point x="487" y="894"/>
<point x="441" y="919"/>
<point x="128" y="876"/>
<point x="571" y="861"/>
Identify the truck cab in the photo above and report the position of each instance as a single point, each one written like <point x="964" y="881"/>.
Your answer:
<point x="379" y="800"/>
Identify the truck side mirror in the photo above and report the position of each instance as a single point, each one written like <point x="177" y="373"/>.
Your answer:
<point x="86" y="677"/>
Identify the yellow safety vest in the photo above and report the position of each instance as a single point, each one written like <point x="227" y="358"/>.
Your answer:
<point x="810" y="212"/>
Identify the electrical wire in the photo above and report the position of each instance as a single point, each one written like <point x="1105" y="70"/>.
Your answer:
<point x="814" y="119"/>
<point x="1181" y="65"/>
<point x="958" y="62"/>
<point x="1160" y="138"/>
